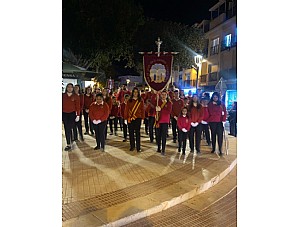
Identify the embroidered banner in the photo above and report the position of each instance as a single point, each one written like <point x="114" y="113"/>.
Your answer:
<point x="157" y="70"/>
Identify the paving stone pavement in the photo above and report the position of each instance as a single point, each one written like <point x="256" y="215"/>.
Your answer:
<point x="94" y="180"/>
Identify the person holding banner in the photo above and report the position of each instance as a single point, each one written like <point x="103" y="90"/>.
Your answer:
<point x="217" y="118"/>
<point x="99" y="112"/>
<point x="133" y="114"/>
<point x="163" y="109"/>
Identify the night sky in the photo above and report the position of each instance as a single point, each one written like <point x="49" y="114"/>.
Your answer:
<point x="184" y="11"/>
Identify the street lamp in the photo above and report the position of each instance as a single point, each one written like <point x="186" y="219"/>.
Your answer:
<point x="198" y="62"/>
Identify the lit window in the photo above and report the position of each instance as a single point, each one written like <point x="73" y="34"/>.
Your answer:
<point x="227" y="40"/>
<point x="215" y="42"/>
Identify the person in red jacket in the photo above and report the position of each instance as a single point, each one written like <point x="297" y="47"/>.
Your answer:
<point x="122" y="110"/>
<point x="99" y="112"/>
<point x="184" y="125"/>
<point x="88" y="99"/>
<point x="70" y="112"/>
<point x="151" y="114"/>
<point x="164" y="108"/>
<point x="134" y="113"/>
<point x="196" y="118"/>
<point x="107" y="100"/>
<point x="176" y="109"/>
<point x="113" y="117"/>
<point x="204" y="124"/>
<point x="217" y="116"/>
<point x="78" y="124"/>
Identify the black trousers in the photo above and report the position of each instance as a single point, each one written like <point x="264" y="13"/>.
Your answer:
<point x="151" y="126"/>
<point x="161" y="136"/>
<point x="135" y="134"/>
<point x="216" y="130"/>
<point x="120" y="119"/>
<point x="77" y="125"/>
<point x="174" y="128"/>
<point x="100" y="133"/>
<point x="146" y="122"/>
<point x="182" y="136"/>
<point x="113" y="122"/>
<point x="124" y="129"/>
<point x="205" y="129"/>
<point x="195" y="132"/>
<point x="69" y="122"/>
<point x="88" y="122"/>
<point x="233" y="128"/>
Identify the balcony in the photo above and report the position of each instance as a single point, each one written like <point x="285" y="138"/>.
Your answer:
<point x="214" y="50"/>
<point x="218" y="20"/>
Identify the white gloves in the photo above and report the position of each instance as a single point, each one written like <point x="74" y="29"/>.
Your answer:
<point x="87" y="110"/>
<point x="222" y="113"/>
<point x="194" y="124"/>
<point x="184" y="130"/>
<point x="96" y="122"/>
<point x="77" y="118"/>
<point x="175" y="118"/>
<point x="125" y="122"/>
<point x="112" y="117"/>
<point x="204" y="122"/>
<point x="224" y="124"/>
<point x="158" y="108"/>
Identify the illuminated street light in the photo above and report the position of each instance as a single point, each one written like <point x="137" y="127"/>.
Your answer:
<point x="198" y="62"/>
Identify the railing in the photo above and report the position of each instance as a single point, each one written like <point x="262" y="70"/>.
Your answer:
<point x="214" y="50"/>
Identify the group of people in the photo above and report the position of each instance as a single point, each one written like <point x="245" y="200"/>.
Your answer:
<point x="189" y="116"/>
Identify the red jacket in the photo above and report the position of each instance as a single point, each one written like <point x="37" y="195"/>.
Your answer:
<point x="71" y="104"/>
<point x="215" y="113"/>
<point x="114" y="110"/>
<point x="176" y="107"/>
<point x="184" y="122"/>
<point x="122" y="109"/>
<point x="108" y="101"/>
<point x="165" y="112"/>
<point x="151" y="109"/>
<point x="99" y="112"/>
<point x="196" y="115"/>
<point x="87" y="101"/>
<point x="204" y="112"/>
<point x="121" y="94"/>
<point x="81" y="99"/>
<point x="140" y="112"/>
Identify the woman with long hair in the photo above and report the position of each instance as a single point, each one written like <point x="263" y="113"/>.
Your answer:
<point x="70" y="112"/>
<point x="88" y="99"/>
<point x="164" y="108"/>
<point x="133" y="114"/>
<point x="217" y="116"/>
<point x="196" y="118"/>
<point x="78" y="124"/>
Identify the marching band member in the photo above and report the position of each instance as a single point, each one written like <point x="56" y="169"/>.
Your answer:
<point x="163" y="109"/>
<point x="151" y="114"/>
<point x="122" y="111"/>
<point x="78" y="124"/>
<point x="216" y="119"/>
<point x="196" y="118"/>
<point x="113" y="117"/>
<point x="70" y="112"/>
<point x="107" y="100"/>
<point x="99" y="112"/>
<point x="176" y="109"/>
<point x="184" y="125"/>
<point x="134" y="113"/>
<point x="88" y="99"/>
